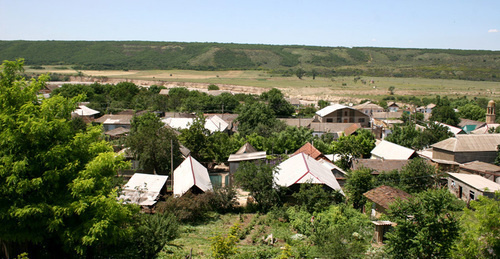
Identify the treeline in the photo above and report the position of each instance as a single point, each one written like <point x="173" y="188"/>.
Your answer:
<point x="278" y="59"/>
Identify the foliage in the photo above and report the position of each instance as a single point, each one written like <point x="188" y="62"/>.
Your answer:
<point x="391" y="90"/>
<point x="152" y="143"/>
<point x="426" y="225"/>
<point x="445" y="114"/>
<point x="225" y="246"/>
<point x="358" y="182"/>
<point x="322" y="104"/>
<point x="316" y="197"/>
<point x="287" y="140"/>
<point x="258" y="118"/>
<point x="213" y="87"/>
<point x="277" y="103"/>
<point x="354" y="146"/>
<point x="71" y="172"/>
<point x="409" y="136"/>
<point x="153" y="232"/>
<point x="416" y="176"/>
<point x="195" y="138"/>
<point x="300" y="73"/>
<point x="258" y="180"/>
<point x="223" y="199"/>
<point x="189" y="208"/>
<point x="481" y="229"/>
<point x="472" y="111"/>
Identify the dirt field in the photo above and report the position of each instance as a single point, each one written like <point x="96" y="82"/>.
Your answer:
<point x="343" y="89"/>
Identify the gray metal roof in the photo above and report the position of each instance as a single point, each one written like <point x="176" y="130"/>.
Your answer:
<point x="247" y="156"/>
<point x="470" y="143"/>
<point x="389" y="150"/>
<point x="332" y="108"/>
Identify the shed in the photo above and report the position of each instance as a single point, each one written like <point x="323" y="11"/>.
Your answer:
<point x="191" y="175"/>
<point x="469" y="186"/>
<point x="383" y="196"/>
<point x="486" y="170"/>
<point x="301" y="168"/>
<point x="144" y="189"/>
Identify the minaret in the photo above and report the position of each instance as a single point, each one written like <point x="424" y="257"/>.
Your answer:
<point x="490" y="112"/>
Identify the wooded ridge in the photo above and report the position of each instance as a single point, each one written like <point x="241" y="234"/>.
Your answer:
<point x="278" y="59"/>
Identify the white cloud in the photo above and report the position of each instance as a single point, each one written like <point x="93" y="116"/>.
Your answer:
<point x="493" y="30"/>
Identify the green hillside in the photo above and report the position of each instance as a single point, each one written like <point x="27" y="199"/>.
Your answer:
<point x="280" y="59"/>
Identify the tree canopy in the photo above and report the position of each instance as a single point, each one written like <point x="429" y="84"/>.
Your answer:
<point x="56" y="184"/>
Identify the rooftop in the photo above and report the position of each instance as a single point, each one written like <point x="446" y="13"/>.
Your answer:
<point x="385" y="195"/>
<point x="476" y="181"/>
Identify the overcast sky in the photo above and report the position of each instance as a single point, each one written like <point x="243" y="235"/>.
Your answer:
<point x="447" y="24"/>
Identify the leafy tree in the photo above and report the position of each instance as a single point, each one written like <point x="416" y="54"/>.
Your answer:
<point x="277" y="102"/>
<point x="433" y="133"/>
<point x="315" y="197"/>
<point x="196" y="139"/>
<point x="259" y="118"/>
<point x="354" y="146"/>
<point x="221" y="145"/>
<point x="213" y="87"/>
<point x="152" y="143"/>
<point x="415" y="118"/>
<point x="288" y="140"/>
<point x="307" y="112"/>
<point x="427" y="225"/>
<point x="322" y="104"/>
<point x="481" y="229"/>
<point x="445" y="114"/>
<point x="472" y="111"/>
<point x="57" y="191"/>
<point x="391" y="90"/>
<point x="153" y="233"/>
<point x="417" y="176"/>
<point x="300" y="73"/>
<point x="358" y="182"/>
<point x="258" y="180"/>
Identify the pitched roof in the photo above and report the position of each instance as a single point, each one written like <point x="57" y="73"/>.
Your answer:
<point x="246" y="148"/>
<point x="368" y="105"/>
<point x="143" y="189"/>
<point x="311" y="151"/>
<point x="191" y="173"/>
<point x="213" y="123"/>
<point x="465" y="122"/>
<point x="470" y="143"/>
<point x="301" y="168"/>
<point x="117" y="131"/>
<point x="247" y="156"/>
<point x="476" y="181"/>
<point x="114" y="119"/>
<point x="480" y="166"/>
<point x="452" y="129"/>
<point x="351" y="129"/>
<point x="379" y="165"/>
<point x="297" y="122"/>
<point x="385" y="195"/>
<point x="389" y="150"/>
<point x="83" y="110"/>
<point x="330" y="127"/>
<point x="332" y="108"/>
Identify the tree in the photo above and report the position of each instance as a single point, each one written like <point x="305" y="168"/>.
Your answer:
<point x="300" y="73"/>
<point x="427" y="225"/>
<point x="417" y="176"/>
<point x="322" y="104"/>
<point x="315" y="197"/>
<point x="152" y="143"/>
<point x="391" y="90"/>
<point x="195" y="138"/>
<point x="277" y="103"/>
<point x="481" y="229"/>
<point x="445" y="114"/>
<point x="259" y="118"/>
<point x="57" y="191"/>
<point x="358" y="182"/>
<point x="472" y="111"/>
<point x="258" y="180"/>
<point x="354" y="146"/>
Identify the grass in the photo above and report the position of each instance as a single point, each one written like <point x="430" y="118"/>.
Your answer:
<point x="334" y="88"/>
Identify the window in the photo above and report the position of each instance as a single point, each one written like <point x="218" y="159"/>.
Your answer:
<point x="471" y="195"/>
<point x="339" y="120"/>
<point x="361" y="120"/>
<point x="329" y="119"/>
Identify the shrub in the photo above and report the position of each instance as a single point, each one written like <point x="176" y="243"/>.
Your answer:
<point x="315" y="197"/>
<point x="223" y="199"/>
<point x="213" y="87"/>
<point x="225" y="246"/>
<point x="187" y="208"/>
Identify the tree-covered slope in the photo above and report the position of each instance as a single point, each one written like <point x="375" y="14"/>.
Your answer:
<point x="326" y="61"/>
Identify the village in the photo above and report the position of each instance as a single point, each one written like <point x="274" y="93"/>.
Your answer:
<point x="463" y="163"/>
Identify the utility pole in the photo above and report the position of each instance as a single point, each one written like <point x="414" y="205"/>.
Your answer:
<point x="172" y="163"/>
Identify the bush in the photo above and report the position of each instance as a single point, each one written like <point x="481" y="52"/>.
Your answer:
<point x="223" y="199"/>
<point x="189" y="208"/>
<point x="213" y="87"/>
<point x="225" y="246"/>
<point x="316" y="197"/>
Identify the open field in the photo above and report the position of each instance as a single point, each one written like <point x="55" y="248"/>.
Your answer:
<point x="332" y="88"/>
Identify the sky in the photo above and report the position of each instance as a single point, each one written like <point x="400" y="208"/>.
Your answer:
<point x="442" y="24"/>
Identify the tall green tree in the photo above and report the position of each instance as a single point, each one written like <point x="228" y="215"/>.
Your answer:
<point x="195" y="138"/>
<point x="277" y="102"/>
<point x="472" y="111"/>
<point x="152" y="143"/>
<point x="358" y="182"/>
<point x="57" y="191"/>
<point x="445" y="114"/>
<point x="258" y="118"/>
<point x="481" y="229"/>
<point x="427" y="225"/>
<point x="354" y="146"/>
<point x="417" y="176"/>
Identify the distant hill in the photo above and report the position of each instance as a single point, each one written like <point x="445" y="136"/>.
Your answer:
<point x="280" y="59"/>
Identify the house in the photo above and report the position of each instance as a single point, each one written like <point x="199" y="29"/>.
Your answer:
<point x="84" y="112"/>
<point x="486" y="170"/>
<point x="426" y="109"/>
<point x="144" y="189"/>
<point x="454" y="130"/>
<point x="469" y="125"/>
<point x="192" y="176"/>
<point x="469" y="187"/>
<point x="341" y="114"/>
<point x="113" y="121"/>
<point x="246" y="153"/>
<point x="117" y="132"/>
<point x="301" y="168"/>
<point x="313" y="152"/>
<point x="368" y="108"/>
<point x="392" y="107"/>
<point x="388" y="150"/>
<point x="336" y="129"/>
<point x="212" y="123"/>
<point x="383" y="196"/>
<point x="464" y="148"/>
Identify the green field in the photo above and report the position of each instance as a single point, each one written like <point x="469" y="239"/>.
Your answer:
<point x="333" y="88"/>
